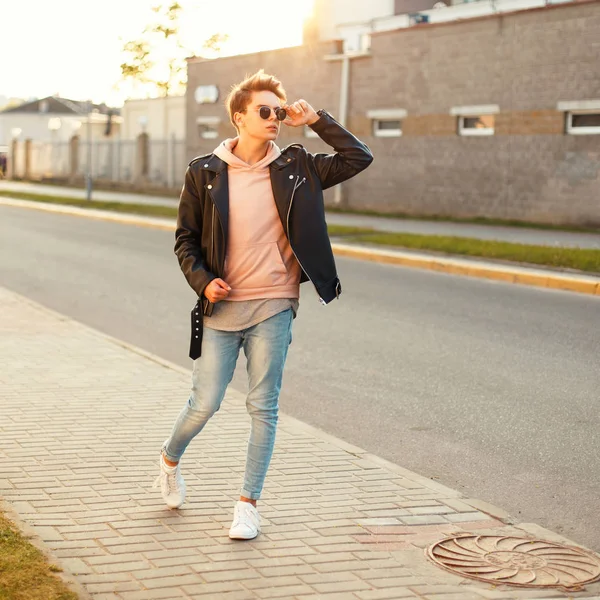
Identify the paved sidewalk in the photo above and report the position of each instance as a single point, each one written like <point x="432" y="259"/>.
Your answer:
<point x="81" y="420"/>
<point x="519" y="235"/>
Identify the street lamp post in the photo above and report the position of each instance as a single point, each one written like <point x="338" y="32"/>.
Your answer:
<point x="54" y="125"/>
<point x="88" y="175"/>
<point x="15" y="132"/>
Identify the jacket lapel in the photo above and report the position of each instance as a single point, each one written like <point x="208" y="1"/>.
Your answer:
<point x="217" y="188"/>
<point x="281" y="170"/>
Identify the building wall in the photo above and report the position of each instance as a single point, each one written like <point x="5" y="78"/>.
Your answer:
<point x="165" y="118"/>
<point x="524" y="62"/>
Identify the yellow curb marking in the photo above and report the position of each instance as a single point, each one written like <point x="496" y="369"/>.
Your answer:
<point x="571" y="285"/>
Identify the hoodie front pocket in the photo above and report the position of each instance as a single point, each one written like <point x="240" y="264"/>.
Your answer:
<point x="255" y="266"/>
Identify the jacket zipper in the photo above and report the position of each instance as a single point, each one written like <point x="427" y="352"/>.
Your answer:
<point x="296" y="186"/>
<point x="212" y="249"/>
<point x="212" y="235"/>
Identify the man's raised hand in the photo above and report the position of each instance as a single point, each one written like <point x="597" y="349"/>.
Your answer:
<point x="300" y="113"/>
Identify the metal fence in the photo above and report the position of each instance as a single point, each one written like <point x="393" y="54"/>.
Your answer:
<point x="47" y="159"/>
<point x="113" y="160"/>
<point x="166" y="162"/>
<point x="161" y="163"/>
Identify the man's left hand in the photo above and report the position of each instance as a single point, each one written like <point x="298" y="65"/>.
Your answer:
<point x="300" y="113"/>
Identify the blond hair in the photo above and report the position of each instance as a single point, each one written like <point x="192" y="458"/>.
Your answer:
<point x="241" y="93"/>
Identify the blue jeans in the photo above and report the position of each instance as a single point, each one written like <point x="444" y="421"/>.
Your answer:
<point x="265" y="346"/>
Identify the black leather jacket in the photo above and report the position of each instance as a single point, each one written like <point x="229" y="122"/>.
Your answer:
<point x="298" y="179"/>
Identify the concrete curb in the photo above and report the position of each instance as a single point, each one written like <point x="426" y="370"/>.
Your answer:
<point x="455" y="266"/>
<point x="582" y="284"/>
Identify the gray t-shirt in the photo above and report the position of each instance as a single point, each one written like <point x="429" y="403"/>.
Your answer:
<point x="240" y="315"/>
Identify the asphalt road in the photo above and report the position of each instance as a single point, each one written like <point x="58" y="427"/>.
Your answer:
<point x="489" y="388"/>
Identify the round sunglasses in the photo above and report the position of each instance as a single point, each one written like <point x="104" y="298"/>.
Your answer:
<point x="265" y="112"/>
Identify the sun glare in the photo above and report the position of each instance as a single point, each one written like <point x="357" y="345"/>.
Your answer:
<point x="251" y="27"/>
<point x="83" y="61"/>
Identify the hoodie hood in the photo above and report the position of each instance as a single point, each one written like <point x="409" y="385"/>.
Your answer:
<point x="225" y="152"/>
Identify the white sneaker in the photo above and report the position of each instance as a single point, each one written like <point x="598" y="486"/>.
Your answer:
<point x="172" y="484"/>
<point x="246" y="522"/>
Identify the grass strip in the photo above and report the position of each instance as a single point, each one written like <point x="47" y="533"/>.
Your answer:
<point x="169" y="212"/>
<point x="25" y="574"/>
<point x="581" y="259"/>
<point x="565" y="258"/>
<point x="121" y="207"/>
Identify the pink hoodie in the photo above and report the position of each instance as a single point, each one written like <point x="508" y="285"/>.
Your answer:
<point x="259" y="262"/>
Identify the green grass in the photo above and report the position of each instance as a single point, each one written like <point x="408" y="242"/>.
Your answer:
<point x="136" y="209"/>
<point x="25" y="574"/>
<point x="562" y="258"/>
<point x="549" y="256"/>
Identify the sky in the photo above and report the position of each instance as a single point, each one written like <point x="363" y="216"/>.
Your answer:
<point x="74" y="47"/>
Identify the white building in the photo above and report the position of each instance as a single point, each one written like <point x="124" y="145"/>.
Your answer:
<point x="161" y="118"/>
<point x="55" y="119"/>
<point x="353" y="21"/>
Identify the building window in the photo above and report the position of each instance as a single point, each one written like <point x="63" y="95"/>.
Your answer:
<point x="482" y="125"/>
<point x="581" y="117"/>
<point x="475" y="120"/>
<point x="389" y="128"/>
<point x="208" y="127"/>
<point x="585" y="120"/>
<point x="387" y="122"/>
<point x="583" y="123"/>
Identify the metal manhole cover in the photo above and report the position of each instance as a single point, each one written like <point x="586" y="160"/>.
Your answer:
<point x="516" y="561"/>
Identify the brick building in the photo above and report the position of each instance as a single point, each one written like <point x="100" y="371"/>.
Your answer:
<point x="497" y="116"/>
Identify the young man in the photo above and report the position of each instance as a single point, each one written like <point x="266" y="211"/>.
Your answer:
<point x="251" y="227"/>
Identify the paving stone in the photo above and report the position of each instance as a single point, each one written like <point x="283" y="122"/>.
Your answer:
<point x="328" y="577"/>
<point x="162" y="572"/>
<point x="171" y="582"/>
<point x="114" y="587"/>
<point x="212" y="589"/>
<point x="341" y="586"/>
<point x="120" y="567"/>
<point x="385" y="594"/>
<point x="432" y="510"/>
<point x="262" y="563"/>
<point x="330" y="596"/>
<point x="337" y="567"/>
<point x="155" y="594"/>
<point x="424" y="520"/>
<point x="76" y="566"/>
<point x="230" y="575"/>
<point x="283" y="591"/>
<point x="319" y="558"/>
<point x="467" y="516"/>
<point x="464" y="595"/>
